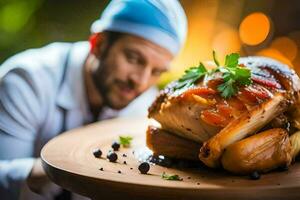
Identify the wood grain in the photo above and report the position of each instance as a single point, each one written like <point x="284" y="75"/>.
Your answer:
<point x="69" y="162"/>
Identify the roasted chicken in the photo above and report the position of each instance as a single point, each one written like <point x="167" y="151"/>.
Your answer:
<point x="259" y="152"/>
<point x="160" y="141"/>
<point x="199" y="113"/>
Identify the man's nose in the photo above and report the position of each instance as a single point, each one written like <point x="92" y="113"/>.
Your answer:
<point x="142" y="79"/>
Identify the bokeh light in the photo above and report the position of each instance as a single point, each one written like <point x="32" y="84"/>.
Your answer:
<point x="266" y="27"/>
<point x="286" y="46"/>
<point x="255" y="28"/>
<point x="295" y="36"/>
<point x="275" y="54"/>
<point x="226" y="42"/>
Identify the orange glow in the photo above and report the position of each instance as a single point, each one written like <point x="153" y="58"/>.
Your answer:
<point x="226" y="42"/>
<point x="286" y="46"/>
<point x="295" y="36"/>
<point x="275" y="54"/>
<point x="201" y="26"/>
<point x="255" y="28"/>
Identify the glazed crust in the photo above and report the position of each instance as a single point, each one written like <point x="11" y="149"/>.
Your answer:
<point x="246" y="125"/>
<point x="187" y="116"/>
<point x="164" y="143"/>
<point x="261" y="152"/>
<point x="193" y="113"/>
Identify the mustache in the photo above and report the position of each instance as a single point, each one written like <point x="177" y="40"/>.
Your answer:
<point x="129" y="84"/>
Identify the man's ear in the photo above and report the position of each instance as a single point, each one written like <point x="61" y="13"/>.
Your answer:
<point x="97" y="43"/>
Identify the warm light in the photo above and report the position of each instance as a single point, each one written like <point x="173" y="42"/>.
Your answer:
<point x="295" y="36"/>
<point x="254" y="29"/>
<point x="201" y="27"/>
<point x="275" y="54"/>
<point x="226" y="42"/>
<point x="286" y="46"/>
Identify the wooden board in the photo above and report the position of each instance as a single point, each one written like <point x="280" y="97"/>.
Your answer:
<point x="69" y="162"/>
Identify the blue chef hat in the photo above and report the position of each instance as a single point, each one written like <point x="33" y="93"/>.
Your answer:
<point x="162" y="22"/>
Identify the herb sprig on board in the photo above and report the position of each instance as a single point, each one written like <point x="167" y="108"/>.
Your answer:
<point x="169" y="177"/>
<point x="125" y="141"/>
<point x="233" y="75"/>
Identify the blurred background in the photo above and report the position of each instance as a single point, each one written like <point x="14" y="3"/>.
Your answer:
<point x="250" y="27"/>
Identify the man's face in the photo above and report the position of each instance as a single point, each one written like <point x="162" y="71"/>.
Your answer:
<point x="130" y="66"/>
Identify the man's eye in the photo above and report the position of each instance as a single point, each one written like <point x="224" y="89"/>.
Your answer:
<point x="132" y="58"/>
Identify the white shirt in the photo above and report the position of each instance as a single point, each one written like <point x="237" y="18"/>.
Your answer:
<point x="33" y="95"/>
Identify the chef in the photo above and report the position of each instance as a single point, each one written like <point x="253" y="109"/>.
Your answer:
<point x="46" y="91"/>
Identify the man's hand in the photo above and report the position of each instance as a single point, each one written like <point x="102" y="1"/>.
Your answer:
<point x="37" y="178"/>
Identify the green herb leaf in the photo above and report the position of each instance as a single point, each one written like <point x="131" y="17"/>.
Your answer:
<point x="232" y="74"/>
<point x="232" y="60"/>
<point x="243" y="75"/>
<point x="191" y="75"/>
<point x="215" y="59"/>
<point x="228" y="88"/>
<point x="125" y="141"/>
<point x="174" y="177"/>
<point x="223" y="69"/>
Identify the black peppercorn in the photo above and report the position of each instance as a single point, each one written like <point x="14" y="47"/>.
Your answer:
<point x="165" y="162"/>
<point x="115" y="146"/>
<point x="97" y="153"/>
<point x="119" y="172"/>
<point x="144" y="167"/>
<point x="125" y="163"/>
<point x="153" y="159"/>
<point x="112" y="156"/>
<point x="255" y="175"/>
<point x="101" y="169"/>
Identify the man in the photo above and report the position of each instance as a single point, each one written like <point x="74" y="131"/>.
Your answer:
<point x="46" y="91"/>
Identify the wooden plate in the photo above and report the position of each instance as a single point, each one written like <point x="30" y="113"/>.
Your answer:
<point x="69" y="162"/>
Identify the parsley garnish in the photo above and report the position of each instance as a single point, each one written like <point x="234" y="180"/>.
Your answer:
<point x="191" y="75"/>
<point x="233" y="75"/>
<point x="125" y="141"/>
<point x="174" y="177"/>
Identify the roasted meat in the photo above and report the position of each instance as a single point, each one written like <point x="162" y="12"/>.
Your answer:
<point x="261" y="152"/>
<point x="295" y="142"/>
<point x="247" y="124"/>
<point x="201" y="114"/>
<point x="162" y="142"/>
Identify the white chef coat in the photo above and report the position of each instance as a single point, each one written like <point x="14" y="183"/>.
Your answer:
<point x="36" y="87"/>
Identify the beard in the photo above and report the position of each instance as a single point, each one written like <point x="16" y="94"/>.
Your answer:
<point x="106" y="85"/>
